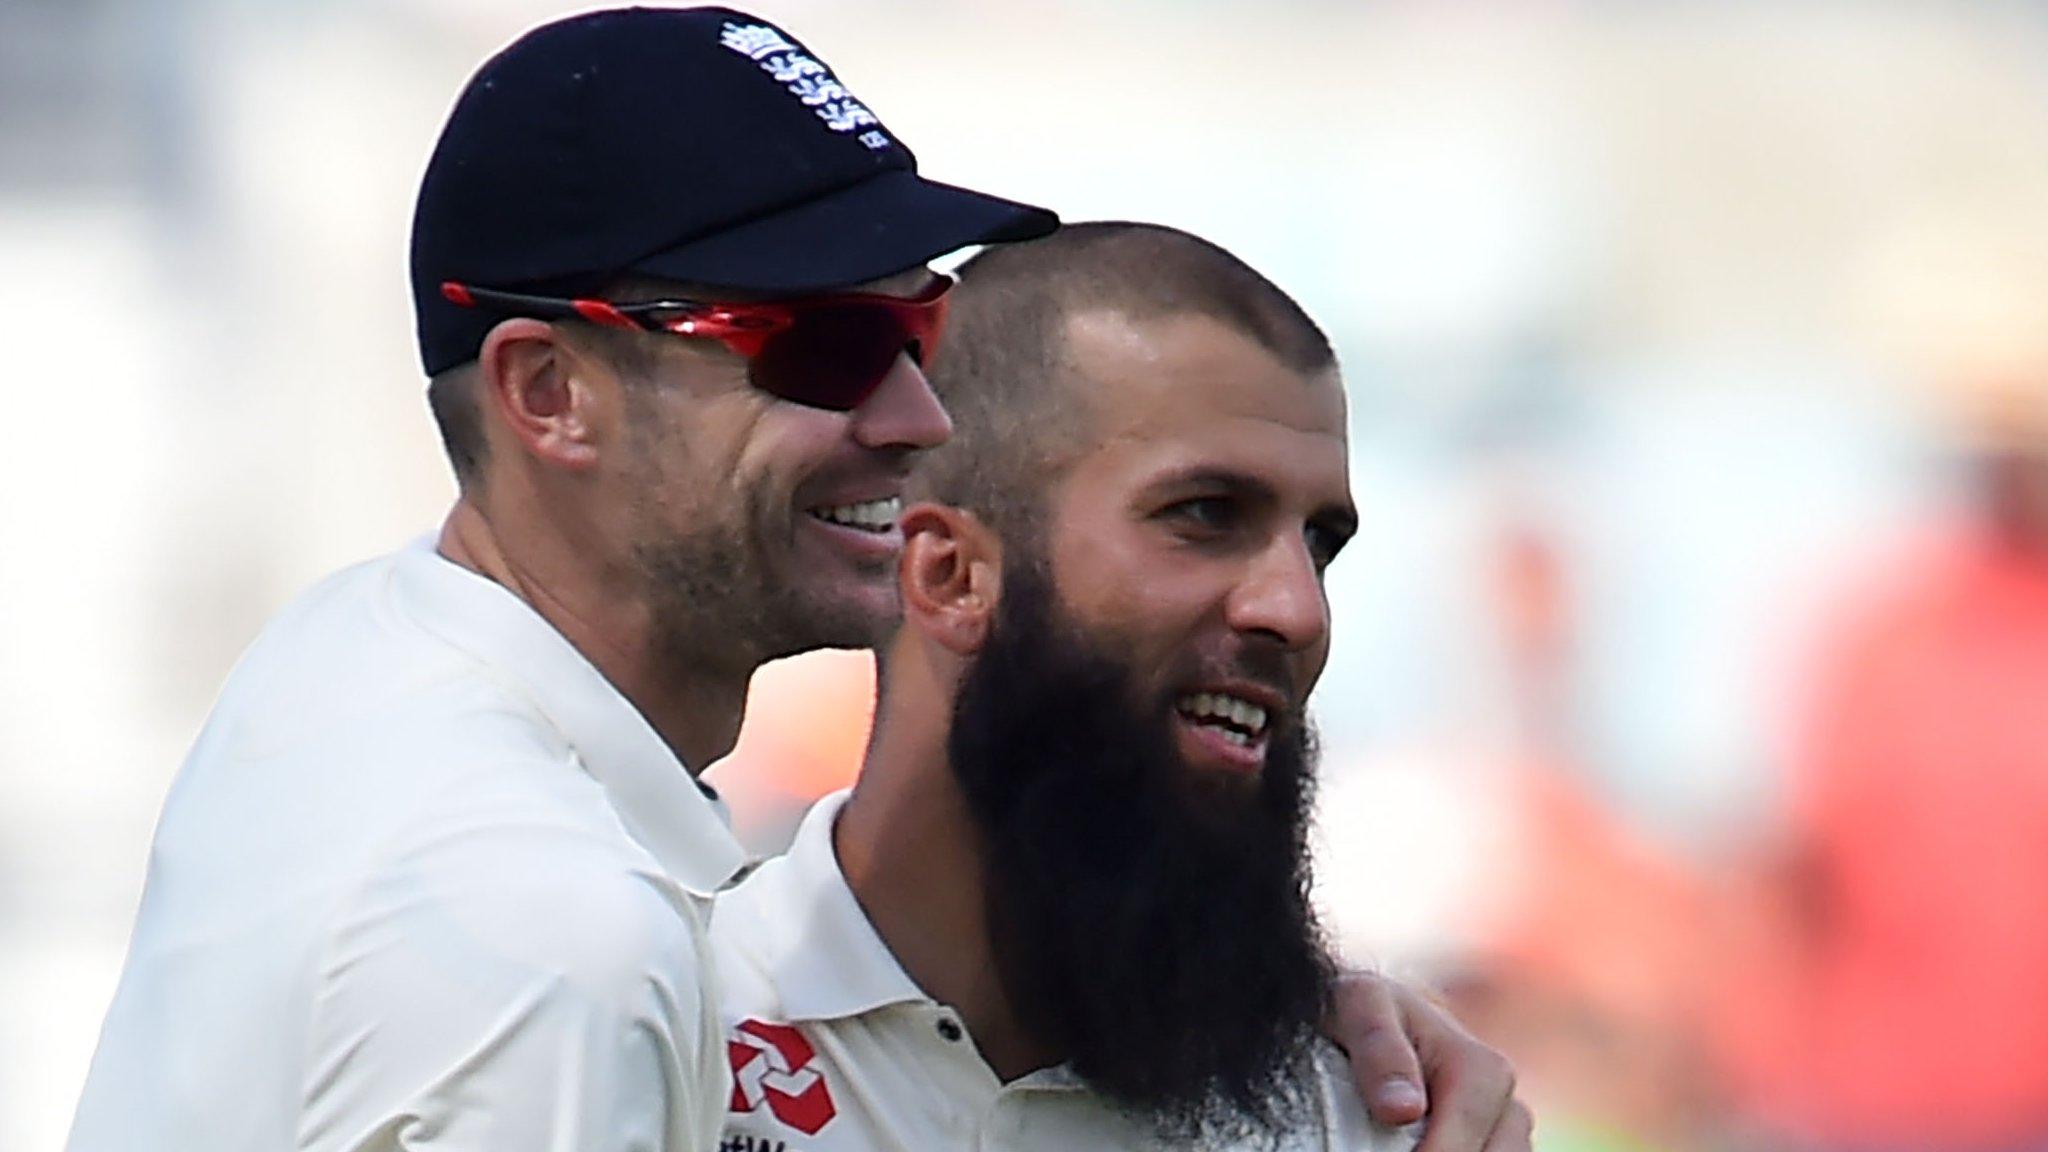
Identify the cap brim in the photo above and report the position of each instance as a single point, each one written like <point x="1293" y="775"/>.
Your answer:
<point x="876" y="228"/>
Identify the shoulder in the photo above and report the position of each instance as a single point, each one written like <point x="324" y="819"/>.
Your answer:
<point x="523" y="891"/>
<point x="507" y="983"/>
<point x="509" y="959"/>
<point x="340" y="669"/>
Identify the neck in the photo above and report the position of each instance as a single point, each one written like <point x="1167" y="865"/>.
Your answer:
<point x="695" y="706"/>
<point x="912" y="854"/>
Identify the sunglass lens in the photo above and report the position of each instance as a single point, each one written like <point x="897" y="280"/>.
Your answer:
<point x="833" y="357"/>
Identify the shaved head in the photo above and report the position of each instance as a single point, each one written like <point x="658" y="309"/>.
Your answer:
<point x="1155" y="433"/>
<point x="1021" y="407"/>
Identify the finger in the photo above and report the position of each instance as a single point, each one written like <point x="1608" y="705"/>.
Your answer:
<point x="1516" y="1131"/>
<point x="1472" y="1091"/>
<point x="1368" y="1024"/>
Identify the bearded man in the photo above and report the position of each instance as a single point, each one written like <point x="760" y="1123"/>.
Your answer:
<point x="1066" y="905"/>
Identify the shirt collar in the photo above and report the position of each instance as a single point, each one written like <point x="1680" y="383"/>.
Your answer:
<point x="809" y="934"/>
<point x="654" y="795"/>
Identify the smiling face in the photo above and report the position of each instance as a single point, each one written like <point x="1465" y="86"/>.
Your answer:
<point x="759" y="520"/>
<point x="1129" y="735"/>
<point x="1193" y="540"/>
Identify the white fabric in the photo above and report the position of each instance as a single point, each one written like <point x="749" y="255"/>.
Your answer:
<point x="426" y="881"/>
<point x="797" y="958"/>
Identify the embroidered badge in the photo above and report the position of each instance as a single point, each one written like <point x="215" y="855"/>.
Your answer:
<point x="807" y="80"/>
<point x="771" y="1064"/>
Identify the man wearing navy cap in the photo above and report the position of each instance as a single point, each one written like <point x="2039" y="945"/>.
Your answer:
<point x="433" y="874"/>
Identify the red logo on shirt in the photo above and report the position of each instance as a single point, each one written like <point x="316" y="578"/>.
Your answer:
<point x="771" y="1064"/>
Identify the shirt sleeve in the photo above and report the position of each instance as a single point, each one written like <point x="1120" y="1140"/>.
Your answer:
<point x="521" y="990"/>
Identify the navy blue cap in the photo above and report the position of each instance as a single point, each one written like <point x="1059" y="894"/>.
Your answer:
<point x="696" y="144"/>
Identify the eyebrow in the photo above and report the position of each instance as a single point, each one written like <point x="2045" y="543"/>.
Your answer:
<point x="1341" y="518"/>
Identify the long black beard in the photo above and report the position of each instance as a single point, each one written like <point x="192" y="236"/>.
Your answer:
<point x="1150" y="924"/>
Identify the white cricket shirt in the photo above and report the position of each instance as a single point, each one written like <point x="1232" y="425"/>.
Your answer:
<point x="835" y="1049"/>
<point x="426" y="881"/>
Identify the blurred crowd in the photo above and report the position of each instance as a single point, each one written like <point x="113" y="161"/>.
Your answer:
<point x="1687" y="721"/>
<point x="1862" y="967"/>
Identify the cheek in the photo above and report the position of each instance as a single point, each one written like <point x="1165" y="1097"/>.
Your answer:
<point x="1143" y="600"/>
<point x="1315" y="661"/>
<point x="687" y="470"/>
<point x="727" y="462"/>
<point x="782" y="444"/>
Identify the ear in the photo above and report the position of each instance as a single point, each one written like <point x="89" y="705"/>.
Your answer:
<point x="950" y="575"/>
<point x="541" y="392"/>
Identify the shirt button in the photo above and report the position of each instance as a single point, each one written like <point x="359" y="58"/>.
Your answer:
<point x="949" y="1029"/>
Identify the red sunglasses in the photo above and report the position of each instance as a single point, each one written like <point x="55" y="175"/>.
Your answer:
<point x="825" y="351"/>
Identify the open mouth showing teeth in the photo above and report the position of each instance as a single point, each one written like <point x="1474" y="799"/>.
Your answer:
<point x="1240" y="721"/>
<point x="876" y="516"/>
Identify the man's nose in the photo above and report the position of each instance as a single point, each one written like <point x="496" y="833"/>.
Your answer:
<point x="902" y="412"/>
<point x="1281" y="597"/>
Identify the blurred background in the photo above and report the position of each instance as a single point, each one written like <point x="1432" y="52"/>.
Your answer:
<point x="1687" y="722"/>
